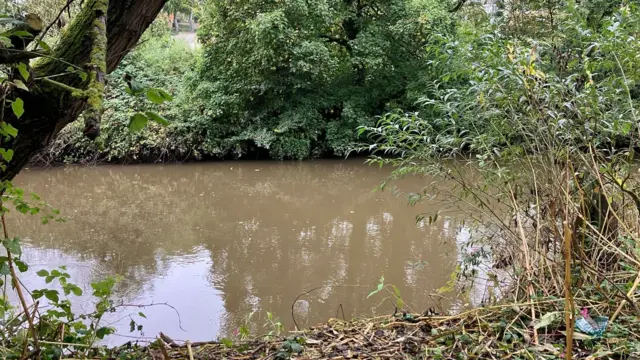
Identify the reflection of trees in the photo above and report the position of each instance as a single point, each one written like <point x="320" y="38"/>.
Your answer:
<point x="305" y="232"/>
<point x="271" y="233"/>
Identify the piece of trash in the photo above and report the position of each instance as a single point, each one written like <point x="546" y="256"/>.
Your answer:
<point x="591" y="326"/>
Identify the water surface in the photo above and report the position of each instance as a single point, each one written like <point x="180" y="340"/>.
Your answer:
<point x="218" y="241"/>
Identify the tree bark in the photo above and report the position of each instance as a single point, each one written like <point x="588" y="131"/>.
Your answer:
<point x="49" y="107"/>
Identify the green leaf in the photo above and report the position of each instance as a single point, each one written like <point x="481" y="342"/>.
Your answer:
<point x="18" y="107"/>
<point x="165" y="95"/>
<point x="37" y="294"/>
<point x="227" y="342"/>
<point x="142" y="315"/>
<point x="104" y="331"/>
<point x="24" y="70"/>
<point x="295" y="348"/>
<point x="49" y="279"/>
<point x="134" y="88"/>
<point x="21" y="265"/>
<point x="157" y="118"/>
<point x="13" y="245"/>
<point x="8" y="129"/>
<point x="42" y="273"/>
<point x="52" y="295"/>
<point x="83" y="75"/>
<point x="155" y="96"/>
<point x="399" y="301"/>
<point x="76" y="290"/>
<point x="4" y="269"/>
<point x="548" y="319"/>
<point x="6" y="42"/>
<point x="138" y="122"/>
<point x="7" y="155"/>
<point x="104" y="287"/>
<point x="20" y="85"/>
<point x="22" y="33"/>
<point x="44" y="45"/>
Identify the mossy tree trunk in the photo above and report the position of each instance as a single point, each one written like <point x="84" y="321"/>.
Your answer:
<point x="49" y="106"/>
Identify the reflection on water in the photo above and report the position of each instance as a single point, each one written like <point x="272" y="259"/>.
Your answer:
<point x="218" y="241"/>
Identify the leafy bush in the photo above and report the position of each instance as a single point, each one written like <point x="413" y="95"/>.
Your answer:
<point x="537" y="132"/>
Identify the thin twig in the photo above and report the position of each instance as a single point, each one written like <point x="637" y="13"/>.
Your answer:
<point x="16" y="284"/>
<point x="293" y="316"/>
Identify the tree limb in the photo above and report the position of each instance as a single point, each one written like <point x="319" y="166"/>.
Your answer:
<point x="337" y="40"/>
<point x="10" y="56"/>
<point x="48" y="108"/>
<point x="98" y="69"/>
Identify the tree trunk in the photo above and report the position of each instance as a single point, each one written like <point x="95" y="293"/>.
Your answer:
<point x="176" y="25"/>
<point x="48" y="107"/>
<point x="191" y="24"/>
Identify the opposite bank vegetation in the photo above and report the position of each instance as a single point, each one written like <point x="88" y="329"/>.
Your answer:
<point x="536" y="102"/>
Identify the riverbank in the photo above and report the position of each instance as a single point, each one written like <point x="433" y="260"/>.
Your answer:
<point x="496" y="332"/>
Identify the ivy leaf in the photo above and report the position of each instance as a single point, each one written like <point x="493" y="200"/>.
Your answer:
<point x="24" y="71"/>
<point x="138" y="122"/>
<point x="296" y="348"/>
<point x="157" y="118"/>
<point x="20" y="85"/>
<point x="18" y="107"/>
<point x="7" y="155"/>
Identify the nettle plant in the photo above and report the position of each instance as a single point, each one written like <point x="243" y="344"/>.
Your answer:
<point x="28" y="328"/>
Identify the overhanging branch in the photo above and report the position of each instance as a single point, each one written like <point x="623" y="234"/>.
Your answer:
<point x="336" y="40"/>
<point x="97" y="70"/>
<point x="50" y="107"/>
<point x="11" y="56"/>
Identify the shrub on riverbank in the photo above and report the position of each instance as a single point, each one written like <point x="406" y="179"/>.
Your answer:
<point x="551" y="121"/>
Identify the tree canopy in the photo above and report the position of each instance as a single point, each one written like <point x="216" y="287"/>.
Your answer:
<point x="297" y="77"/>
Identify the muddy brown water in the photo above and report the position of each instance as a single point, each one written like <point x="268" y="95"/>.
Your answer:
<point x="219" y="241"/>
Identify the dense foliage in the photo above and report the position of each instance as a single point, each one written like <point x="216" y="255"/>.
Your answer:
<point x="286" y="80"/>
<point x="537" y="102"/>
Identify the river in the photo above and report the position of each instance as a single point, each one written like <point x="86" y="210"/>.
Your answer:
<point x="218" y="241"/>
